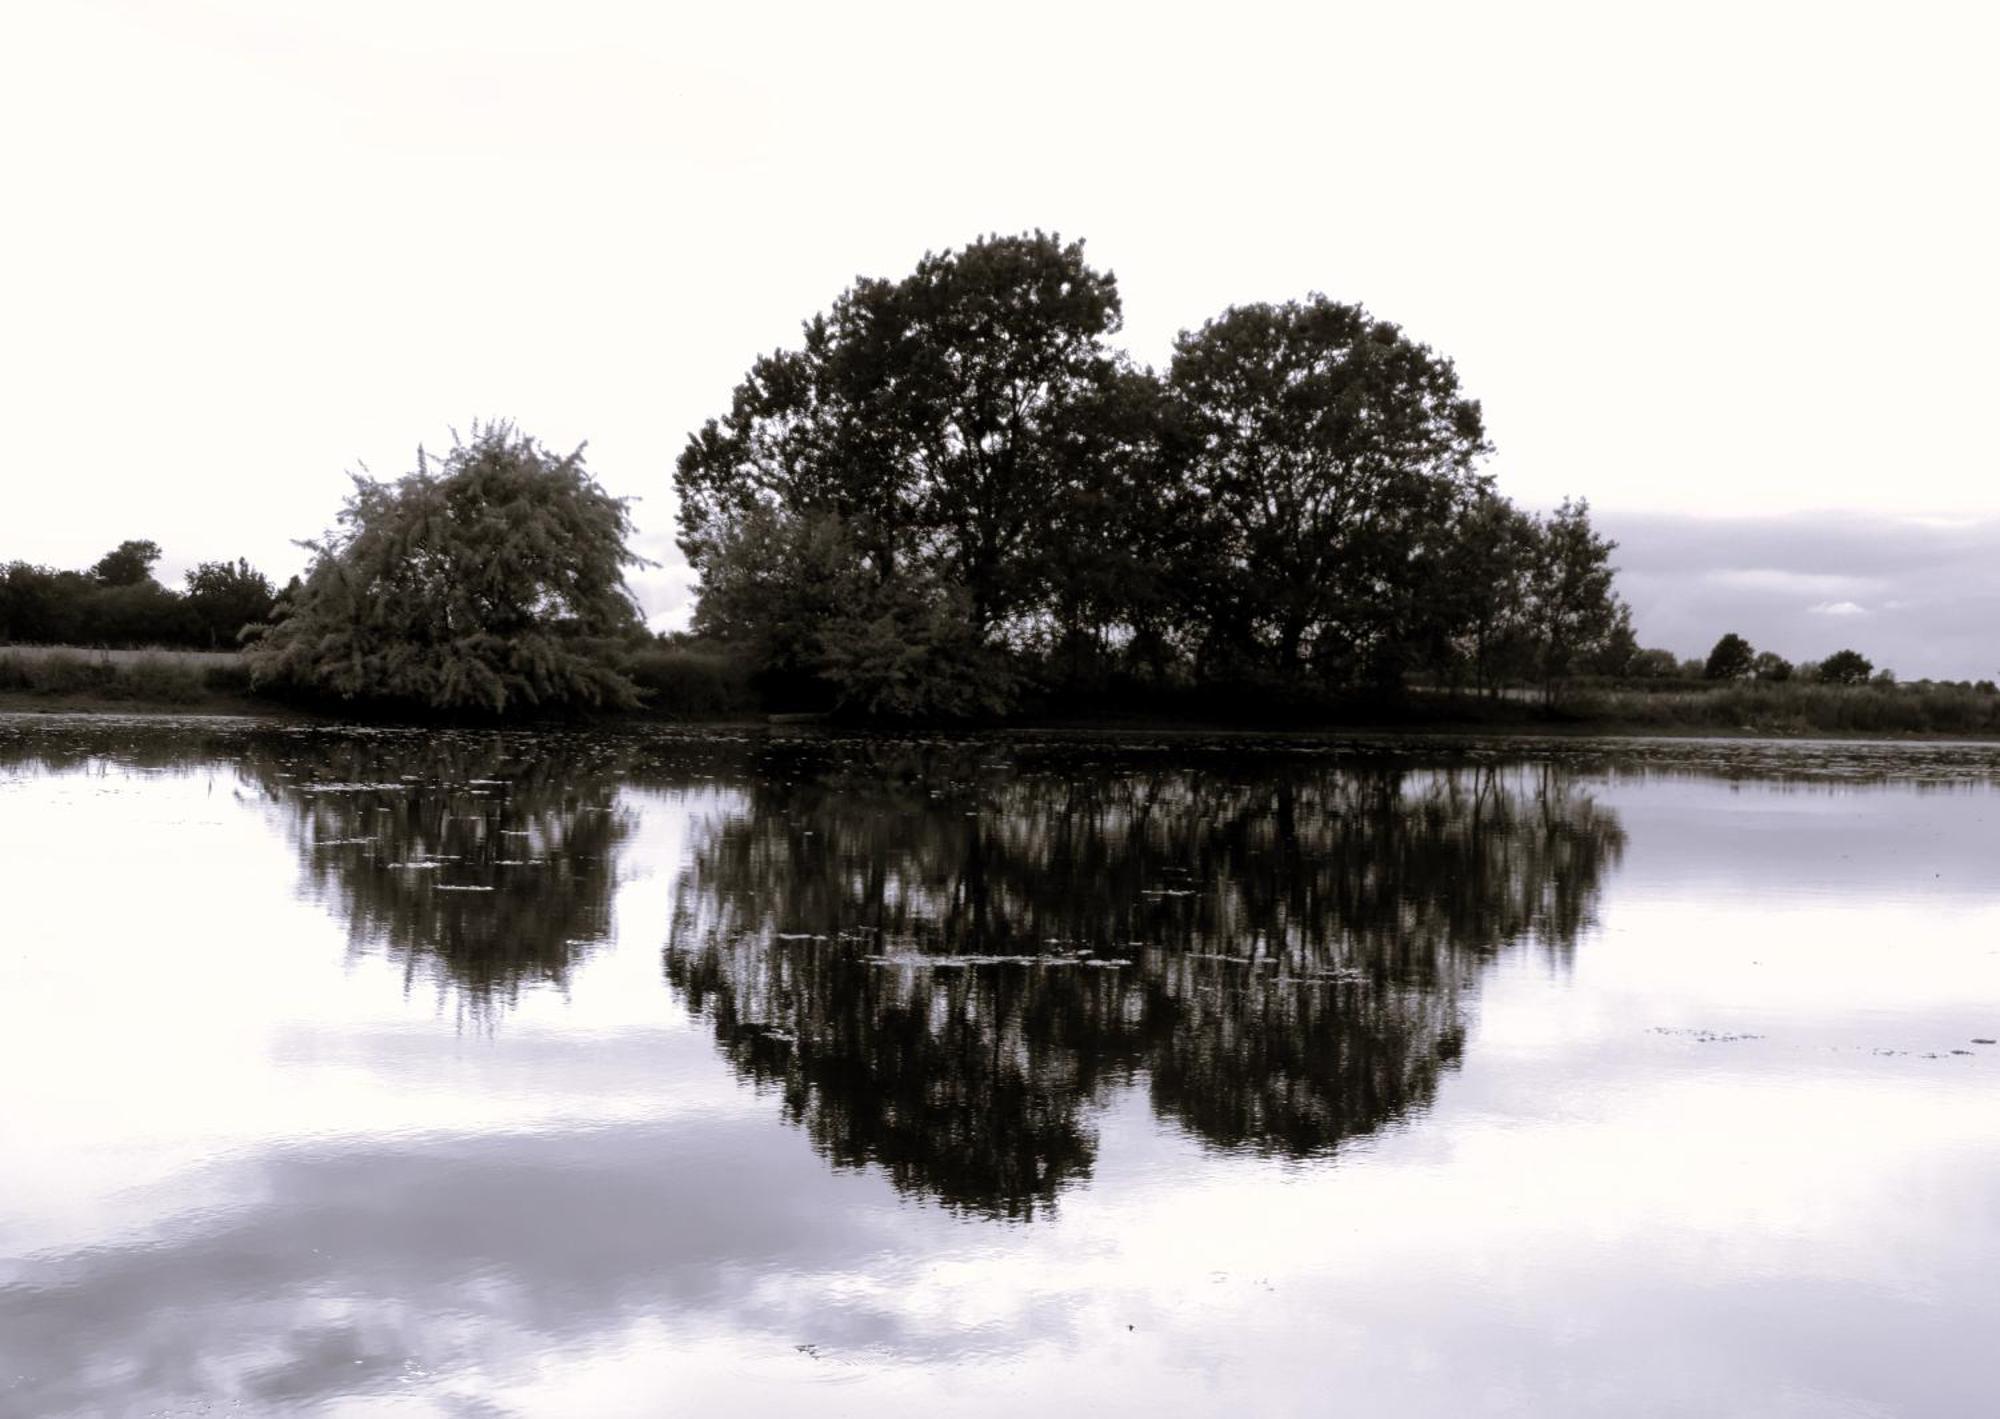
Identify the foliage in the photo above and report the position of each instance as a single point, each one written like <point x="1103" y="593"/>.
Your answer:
<point x="1328" y="453"/>
<point x="1771" y="666"/>
<point x="799" y="599"/>
<point x="1730" y="659"/>
<point x="127" y="564"/>
<point x="691" y="680"/>
<point x="938" y="418"/>
<point x="953" y="490"/>
<point x="492" y="582"/>
<point x="1654" y="665"/>
<point x="1845" y="667"/>
<point x="1572" y="612"/>
<point x="907" y="655"/>
<point x="223" y="599"/>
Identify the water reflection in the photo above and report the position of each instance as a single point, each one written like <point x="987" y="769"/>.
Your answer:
<point x="943" y="970"/>
<point x="488" y="857"/>
<point x="251" y="1167"/>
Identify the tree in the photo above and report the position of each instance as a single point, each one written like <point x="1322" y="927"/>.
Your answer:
<point x="1769" y="665"/>
<point x="1618" y="652"/>
<point x="1330" y="451"/>
<point x="1731" y="659"/>
<point x="493" y="581"/>
<point x="1483" y="595"/>
<point x="223" y="599"/>
<point x="127" y="564"/>
<point x="1654" y="665"/>
<point x="1572" y="611"/>
<point x="39" y="605"/>
<point x="940" y="418"/>
<point x="797" y="596"/>
<point x="1846" y="667"/>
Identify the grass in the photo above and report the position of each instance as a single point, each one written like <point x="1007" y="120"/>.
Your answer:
<point x="676" y="682"/>
<point x="206" y="659"/>
<point x="161" y="677"/>
<point x="1790" y="707"/>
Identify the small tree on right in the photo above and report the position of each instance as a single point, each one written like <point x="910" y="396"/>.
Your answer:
<point x="1572" y="612"/>
<point x="1846" y="667"/>
<point x="1731" y="659"/>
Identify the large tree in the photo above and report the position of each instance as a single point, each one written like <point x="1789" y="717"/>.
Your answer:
<point x="490" y="580"/>
<point x="1331" y="451"/>
<point x="941" y="418"/>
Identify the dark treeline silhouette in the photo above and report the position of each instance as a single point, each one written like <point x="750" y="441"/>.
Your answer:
<point x="117" y="602"/>
<point x="954" y="496"/>
<point x="943" y="969"/>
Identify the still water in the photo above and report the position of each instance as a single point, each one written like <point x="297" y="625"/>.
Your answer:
<point x="350" y="1072"/>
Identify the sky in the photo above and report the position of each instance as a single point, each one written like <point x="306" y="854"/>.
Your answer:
<point x="1726" y="270"/>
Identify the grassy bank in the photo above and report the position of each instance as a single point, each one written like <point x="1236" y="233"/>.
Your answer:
<point x="56" y="677"/>
<point x="676" y="682"/>
<point x="696" y="683"/>
<point x="1788" y="707"/>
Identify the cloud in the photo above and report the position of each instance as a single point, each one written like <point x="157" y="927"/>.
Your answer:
<point x="1927" y="590"/>
<point x="1787" y="583"/>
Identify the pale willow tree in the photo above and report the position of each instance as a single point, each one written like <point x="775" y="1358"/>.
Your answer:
<point x="490" y="580"/>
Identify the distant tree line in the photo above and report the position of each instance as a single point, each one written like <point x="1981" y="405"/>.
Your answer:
<point x="1733" y="659"/>
<point x="954" y="491"/>
<point x="117" y="602"/>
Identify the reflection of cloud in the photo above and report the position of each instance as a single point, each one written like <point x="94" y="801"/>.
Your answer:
<point x="1838" y="608"/>
<point x="357" y="1268"/>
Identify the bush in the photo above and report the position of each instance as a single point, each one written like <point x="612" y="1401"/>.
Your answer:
<point x="686" y="681"/>
<point x="153" y="679"/>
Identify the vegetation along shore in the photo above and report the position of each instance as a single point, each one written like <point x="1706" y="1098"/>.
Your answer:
<point x="955" y="502"/>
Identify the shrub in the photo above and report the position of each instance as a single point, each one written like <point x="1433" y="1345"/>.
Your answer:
<point x="691" y="681"/>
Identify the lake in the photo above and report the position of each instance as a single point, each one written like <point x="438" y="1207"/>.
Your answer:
<point x="350" y="1071"/>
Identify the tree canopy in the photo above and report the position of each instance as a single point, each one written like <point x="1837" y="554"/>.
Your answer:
<point x="223" y="599"/>
<point x="916" y="451"/>
<point x="1846" y="667"/>
<point x="118" y="603"/>
<point x="1732" y="658"/>
<point x="490" y="580"/>
<point x="1328" y="452"/>
<point x="954" y="490"/>
<point x="127" y="564"/>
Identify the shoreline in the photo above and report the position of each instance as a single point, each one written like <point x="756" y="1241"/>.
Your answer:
<point x="82" y="706"/>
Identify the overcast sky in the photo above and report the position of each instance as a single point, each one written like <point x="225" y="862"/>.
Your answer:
<point x="1699" y="262"/>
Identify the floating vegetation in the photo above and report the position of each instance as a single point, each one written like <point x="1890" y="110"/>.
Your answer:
<point x="1706" y="1037"/>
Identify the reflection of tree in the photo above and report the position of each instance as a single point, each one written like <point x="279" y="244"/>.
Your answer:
<point x="491" y="856"/>
<point x="942" y="971"/>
